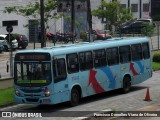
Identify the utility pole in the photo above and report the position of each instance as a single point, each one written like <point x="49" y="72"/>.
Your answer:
<point x="89" y="18"/>
<point x="140" y="9"/>
<point x="8" y="37"/>
<point x="72" y="20"/>
<point x="43" y="40"/>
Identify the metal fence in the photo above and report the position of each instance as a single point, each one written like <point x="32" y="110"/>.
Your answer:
<point x="155" y="38"/>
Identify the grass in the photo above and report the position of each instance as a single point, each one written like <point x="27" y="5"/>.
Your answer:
<point x="155" y="66"/>
<point x="6" y="96"/>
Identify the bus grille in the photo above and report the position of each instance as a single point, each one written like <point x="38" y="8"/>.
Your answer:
<point x="31" y="95"/>
<point x="31" y="100"/>
<point x="31" y="91"/>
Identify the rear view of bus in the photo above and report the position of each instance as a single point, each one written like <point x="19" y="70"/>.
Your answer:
<point x="32" y="77"/>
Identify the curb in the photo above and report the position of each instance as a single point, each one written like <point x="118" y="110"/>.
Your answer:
<point x="7" y="105"/>
<point x="4" y="79"/>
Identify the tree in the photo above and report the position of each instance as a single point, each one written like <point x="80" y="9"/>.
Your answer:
<point x="148" y="29"/>
<point x="89" y="15"/>
<point x="113" y="13"/>
<point x="33" y="10"/>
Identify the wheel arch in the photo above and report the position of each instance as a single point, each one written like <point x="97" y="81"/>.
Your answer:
<point x="78" y="87"/>
<point x="126" y="83"/>
<point x="126" y="75"/>
<point x="75" y="95"/>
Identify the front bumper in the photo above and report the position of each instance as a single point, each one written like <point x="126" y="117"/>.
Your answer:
<point x="33" y="100"/>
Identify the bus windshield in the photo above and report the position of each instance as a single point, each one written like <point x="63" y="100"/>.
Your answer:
<point x="32" y="73"/>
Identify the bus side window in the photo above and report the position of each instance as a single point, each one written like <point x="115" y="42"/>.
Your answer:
<point x="99" y="58"/>
<point x="136" y="51"/>
<point x="82" y="62"/>
<point x="112" y="56"/>
<point x="59" y="70"/>
<point x="85" y="60"/>
<point x="145" y="49"/>
<point x="89" y="60"/>
<point x="125" y="54"/>
<point x="72" y="63"/>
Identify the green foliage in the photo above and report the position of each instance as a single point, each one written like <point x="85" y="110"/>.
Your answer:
<point x="125" y="15"/>
<point x="156" y="57"/>
<point x="156" y="18"/>
<point x="83" y="35"/>
<point x="15" y="35"/>
<point x="112" y="12"/>
<point x="33" y="10"/>
<point x="68" y="18"/>
<point x="155" y="66"/>
<point x="148" y="29"/>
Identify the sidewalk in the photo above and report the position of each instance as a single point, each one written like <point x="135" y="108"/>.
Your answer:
<point x="6" y="82"/>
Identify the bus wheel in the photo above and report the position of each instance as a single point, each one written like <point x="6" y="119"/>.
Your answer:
<point x="126" y="84"/>
<point x="75" y="96"/>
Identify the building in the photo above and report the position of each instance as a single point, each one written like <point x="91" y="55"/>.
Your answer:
<point x="140" y="9"/>
<point x="155" y="7"/>
<point x="32" y="30"/>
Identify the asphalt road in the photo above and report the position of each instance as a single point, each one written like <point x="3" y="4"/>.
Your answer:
<point x="114" y="100"/>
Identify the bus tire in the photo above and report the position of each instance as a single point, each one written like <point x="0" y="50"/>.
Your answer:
<point x="126" y="84"/>
<point x="75" y="97"/>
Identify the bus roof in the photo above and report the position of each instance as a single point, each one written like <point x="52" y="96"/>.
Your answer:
<point x="87" y="46"/>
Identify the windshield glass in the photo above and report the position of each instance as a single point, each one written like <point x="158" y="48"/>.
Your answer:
<point x="146" y="21"/>
<point x="32" y="73"/>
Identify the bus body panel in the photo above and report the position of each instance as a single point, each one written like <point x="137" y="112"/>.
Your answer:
<point x="112" y="77"/>
<point x="81" y="79"/>
<point x="97" y="80"/>
<point x="61" y="91"/>
<point x="136" y="69"/>
<point x="147" y="70"/>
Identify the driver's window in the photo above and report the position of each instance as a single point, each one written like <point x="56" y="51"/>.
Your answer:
<point x="59" y="70"/>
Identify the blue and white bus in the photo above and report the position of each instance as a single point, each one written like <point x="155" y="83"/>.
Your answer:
<point x="63" y="73"/>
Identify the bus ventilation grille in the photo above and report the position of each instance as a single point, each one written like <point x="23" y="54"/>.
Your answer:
<point x="31" y="100"/>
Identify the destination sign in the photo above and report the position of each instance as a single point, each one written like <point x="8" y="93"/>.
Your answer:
<point x="32" y="56"/>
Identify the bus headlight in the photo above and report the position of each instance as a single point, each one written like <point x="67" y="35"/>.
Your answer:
<point x="47" y="92"/>
<point x="17" y="93"/>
